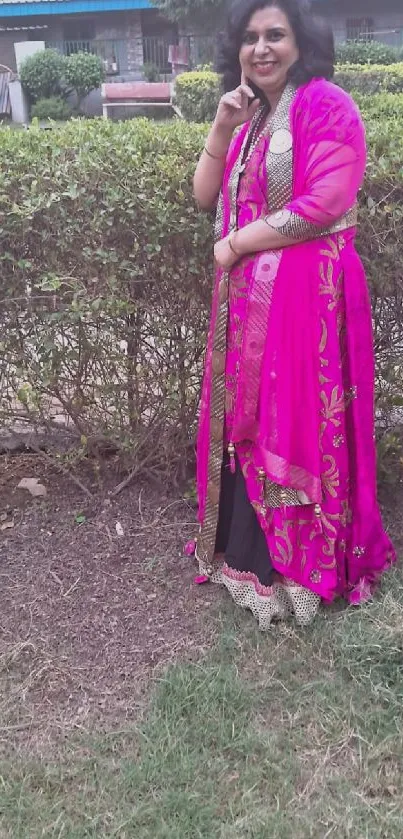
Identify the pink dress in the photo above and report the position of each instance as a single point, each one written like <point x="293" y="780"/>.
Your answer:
<point x="289" y="376"/>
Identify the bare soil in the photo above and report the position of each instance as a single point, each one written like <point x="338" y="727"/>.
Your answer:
<point x="87" y="615"/>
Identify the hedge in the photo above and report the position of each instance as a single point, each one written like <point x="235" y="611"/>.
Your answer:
<point x="105" y="284"/>
<point x="367" y="52"/>
<point x="375" y="78"/>
<point x="54" y="108"/>
<point x="380" y="105"/>
<point x="197" y="93"/>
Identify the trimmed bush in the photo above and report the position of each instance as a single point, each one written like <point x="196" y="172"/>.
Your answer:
<point x="380" y="106"/>
<point x="83" y="72"/>
<point x="105" y="282"/>
<point x="366" y="52"/>
<point x="55" y="108"/>
<point x="370" y="78"/>
<point x="197" y="95"/>
<point x="41" y="74"/>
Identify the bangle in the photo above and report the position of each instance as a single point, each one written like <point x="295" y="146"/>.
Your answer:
<point x="214" y="156"/>
<point x="236" y="253"/>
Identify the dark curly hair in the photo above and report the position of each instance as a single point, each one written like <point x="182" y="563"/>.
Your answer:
<point x="314" y="39"/>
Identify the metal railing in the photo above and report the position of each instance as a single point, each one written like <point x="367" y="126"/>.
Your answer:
<point x="392" y="36"/>
<point x="113" y="53"/>
<point x="122" y="56"/>
<point x="156" y="51"/>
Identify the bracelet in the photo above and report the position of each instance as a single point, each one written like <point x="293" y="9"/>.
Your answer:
<point x="231" y="247"/>
<point x="214" y="156"/>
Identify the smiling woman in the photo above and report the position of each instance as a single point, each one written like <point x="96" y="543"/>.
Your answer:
<point x="286" y="455"/>
<point x="268" y="51"/>
<point x="305" y="39"/>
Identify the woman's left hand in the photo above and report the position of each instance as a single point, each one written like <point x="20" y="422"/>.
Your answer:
<point x="224" y="256"/>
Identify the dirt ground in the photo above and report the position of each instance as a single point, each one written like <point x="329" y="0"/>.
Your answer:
<point x="87" y="614"/>
<point x="96" y="596"/>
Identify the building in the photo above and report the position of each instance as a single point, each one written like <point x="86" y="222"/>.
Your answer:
<point x="125" y="33"/>
<point x="364" y="19"/>
<point x="130" y="33"/>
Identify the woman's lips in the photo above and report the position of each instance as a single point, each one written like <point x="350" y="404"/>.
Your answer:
<point x="265" y="68"/>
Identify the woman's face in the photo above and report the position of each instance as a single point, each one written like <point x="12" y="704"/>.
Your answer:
<point x="268" y="50"/>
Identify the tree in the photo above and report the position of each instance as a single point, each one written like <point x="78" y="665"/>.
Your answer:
<point x="41" y="74"/>
<point x="83" y="72"/>
<point x="194" y="15"/>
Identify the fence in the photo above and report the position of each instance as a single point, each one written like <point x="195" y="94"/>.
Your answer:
<point x="125" y="56"/>
<point x="121" y="56"/>
<point x="392" y="36"/>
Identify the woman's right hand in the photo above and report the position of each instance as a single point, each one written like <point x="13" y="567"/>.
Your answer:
<point x="235" y="107"/>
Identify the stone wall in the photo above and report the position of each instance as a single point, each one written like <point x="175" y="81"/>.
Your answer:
<point x="135" y="58"/>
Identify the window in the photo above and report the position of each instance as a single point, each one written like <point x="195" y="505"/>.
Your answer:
<point x="79" y="34"/>
<point x="360" y="29"/>
<point x="158" y="34"/>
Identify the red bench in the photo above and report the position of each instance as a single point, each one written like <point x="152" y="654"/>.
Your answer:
<point x="139" y="95"/>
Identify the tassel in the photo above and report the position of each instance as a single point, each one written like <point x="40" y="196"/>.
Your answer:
<point x="318" y="518"/>
<point x="190" y="548"/>
<point x="201" y="580"/>
<point x="262" y="481"/>
<point x="231" y="452"/>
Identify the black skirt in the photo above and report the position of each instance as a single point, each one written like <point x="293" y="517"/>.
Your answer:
<point x="239" y="535"/>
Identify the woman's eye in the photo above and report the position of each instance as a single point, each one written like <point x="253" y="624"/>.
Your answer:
<point x="249" y="38"/>
<point x="275" y="35"/>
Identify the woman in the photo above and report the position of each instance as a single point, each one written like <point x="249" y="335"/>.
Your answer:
<point x="288" y="516"/>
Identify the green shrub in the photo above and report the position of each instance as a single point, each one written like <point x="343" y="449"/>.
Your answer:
<point x="102" y="225"/>
<point x="380" y="106"/>
<point x="151" y="72"/>
<point x="197" y="95"/>
<point x="204" y="68"/>
<point x="84" y="72"/>
<point x="105" y="282"/>
<point x="366" y="52"/>
<point x="370" y="78"/>
<point x="41" y="74"/>
<point x="55" y="107"/>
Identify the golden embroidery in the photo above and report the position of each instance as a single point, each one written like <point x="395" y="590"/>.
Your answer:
<point x="323" y="340"/>
<point x="333" y="406"/>
<point x="331" y="478"/>
<point x="283" y="543"/>
<point x="351" y="394"/>
<point x="338" y="441"/>
<point x="330" y="286"/>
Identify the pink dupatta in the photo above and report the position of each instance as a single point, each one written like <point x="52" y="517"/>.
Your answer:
<point x="278" y="387"/>
<point x="281" y="402"/>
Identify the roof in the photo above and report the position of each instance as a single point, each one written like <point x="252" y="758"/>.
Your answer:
<point x="27" y="8"/>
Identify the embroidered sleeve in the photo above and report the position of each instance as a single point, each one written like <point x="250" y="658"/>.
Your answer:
<point x="294" y="226"/>
<point x="329" y="159"/>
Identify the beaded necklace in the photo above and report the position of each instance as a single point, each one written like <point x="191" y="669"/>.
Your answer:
<point x="257" y="128"/>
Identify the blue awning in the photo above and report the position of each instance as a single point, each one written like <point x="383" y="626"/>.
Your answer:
<point x="65" y="7"/>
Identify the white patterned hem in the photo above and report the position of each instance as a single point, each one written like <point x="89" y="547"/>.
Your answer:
<point x="267" y="603"/>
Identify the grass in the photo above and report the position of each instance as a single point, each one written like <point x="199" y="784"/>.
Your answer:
<point x="289" y="735"/>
